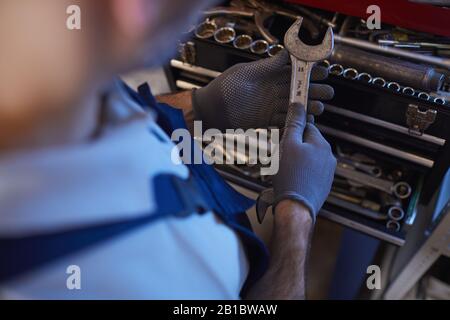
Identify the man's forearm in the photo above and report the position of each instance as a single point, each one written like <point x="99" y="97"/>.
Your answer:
<point x="285" y="278"/>
<point x="182" y="101"/>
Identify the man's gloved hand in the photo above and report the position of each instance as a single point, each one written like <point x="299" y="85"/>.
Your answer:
<point x="255" y="95"/>
<point x="307" y="164"/>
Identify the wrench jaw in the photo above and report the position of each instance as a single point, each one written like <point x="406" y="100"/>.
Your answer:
<point x="303" y="58"/>
<point x="305" y="52"/>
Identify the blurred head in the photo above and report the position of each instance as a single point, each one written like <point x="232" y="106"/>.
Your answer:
<point x="45" y="68"/>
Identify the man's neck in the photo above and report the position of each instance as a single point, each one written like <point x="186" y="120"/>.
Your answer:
<point x="59" y="126"/>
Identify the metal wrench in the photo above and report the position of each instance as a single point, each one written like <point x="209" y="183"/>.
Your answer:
<point x="401" y="190"/>
<point x="364" y="203"/>
<point x="367" y="168"/>
<point x="356" y="208"/>
<point x="303" y="58"/>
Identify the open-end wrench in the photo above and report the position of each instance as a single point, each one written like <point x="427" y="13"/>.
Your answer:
<point x="401" y="190"/>
<point x="356" y="208"/>
<point x="303" y="58"/>
<point x="367" y="168"/>
<point x="362" y="202"/>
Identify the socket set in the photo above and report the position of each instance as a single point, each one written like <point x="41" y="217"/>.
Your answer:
<point x="226" y="34"/>
<point x="339" y="70"/>
<point x="376" y="195"/>
<point x="388" y="121"/>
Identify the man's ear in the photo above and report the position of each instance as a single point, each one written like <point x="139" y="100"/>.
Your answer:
<point x="133" y="17"/>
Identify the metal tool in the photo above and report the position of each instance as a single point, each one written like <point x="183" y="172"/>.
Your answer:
<point x="419" y="121"/>
<point x="303" y="58"/>
<point x="274" y="49"/>
<point x="394" y="86"/>
<point x="388" y="200"/>
<point x="225" y="35"/>
<point x="408" y="91"/>
<point x="401" y="190"/>
<point x="364" y="203"/>
<point x="365" y="77"/>
<point x="243" y="42"/>
<point x="205" y="30"/>
<point x="357" y="140"/>
<point x="355" y="157"/>
<point x="350" y="73"/>
<point x="342" y="186"/>
<point x="380" y="123"/>
<point x="440" y="100"/>
<point x="188" y="52"/>
<point x="423" y="77"/>
<point x="356" y="208"/>
<point x="423" y="95"/>
<point x="373" y="170"/>
<point x="324" y="63"/>
<point x="379" y="82"/>
<point x="260" y="12"/>
<point x="259" y="46"/>
<point x="336" y="69"/>
<point x="396" y="213"/>
<point x="393" y="225"/>
<point x="366" y="45"/>
<point x="406" y="44"/>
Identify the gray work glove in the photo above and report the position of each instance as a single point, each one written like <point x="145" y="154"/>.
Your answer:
<point x="307" y="164"/>
<point x="306" y="167"/>
<point x="255" y="95"/>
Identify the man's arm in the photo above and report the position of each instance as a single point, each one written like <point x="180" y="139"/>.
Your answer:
<point x="300" y="188"/>
<point x="285" y="278"/>
<point x="183" y="101"/>
<point x="180" y="100"/>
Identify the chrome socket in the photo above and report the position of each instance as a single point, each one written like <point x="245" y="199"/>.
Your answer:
<point x="243" y="42"/>
<point x="394" y="86"/>
<point x="225" y="35"/>
<point x="408" y="91"/>
<point x="378" y="81"/>
<point x="324" y="63"/>
<point x="396" y="213"/>
<point x="205" y="30"/>
<point x="440" y="100"/>
<point x="259" y="46"/>
<point x="393" y="225"/>
<point x="350" y="73"/>
<point x="336" y="69"/>
<point x="365" y="77"/>
<point x="423" y="95"/>
<point x="274" y="49"/>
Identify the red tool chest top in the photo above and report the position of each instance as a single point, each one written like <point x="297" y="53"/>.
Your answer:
<point x="402" y="13"/>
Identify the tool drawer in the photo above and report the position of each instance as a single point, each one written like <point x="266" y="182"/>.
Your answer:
<point x="390" y="139"/>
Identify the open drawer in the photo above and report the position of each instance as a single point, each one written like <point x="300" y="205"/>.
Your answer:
<point x="406" y="134"/>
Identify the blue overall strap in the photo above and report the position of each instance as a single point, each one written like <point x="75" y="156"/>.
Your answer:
<point x="222" y="197"/>
<point x="226" y="202"/>
<point x="21" y="255"/>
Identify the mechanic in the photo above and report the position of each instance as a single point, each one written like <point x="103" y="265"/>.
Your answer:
<point x="86" y="177"/>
